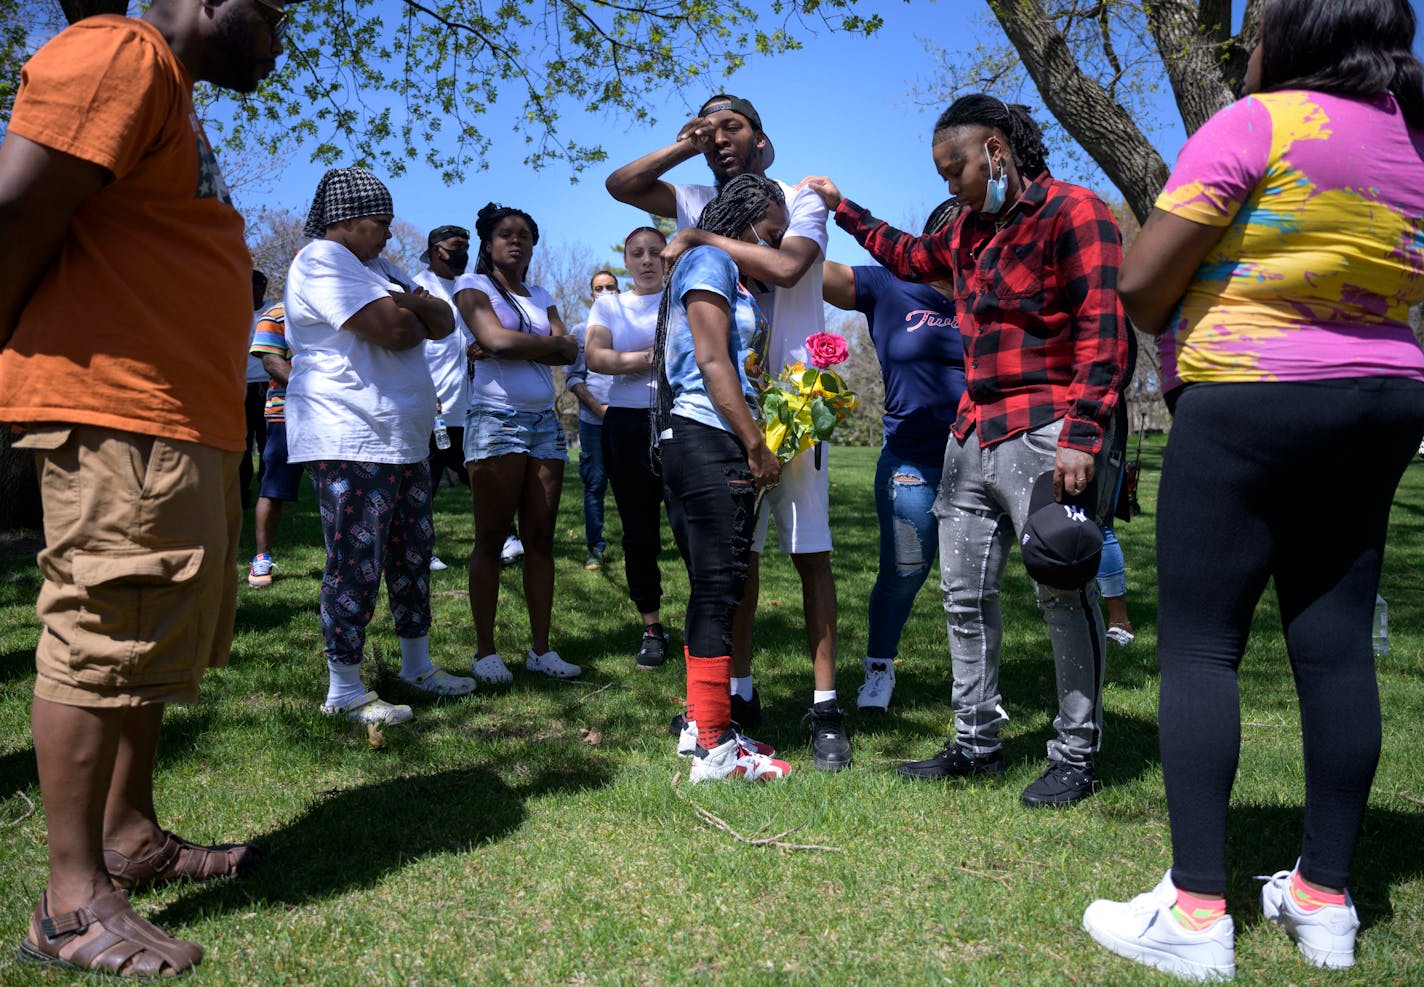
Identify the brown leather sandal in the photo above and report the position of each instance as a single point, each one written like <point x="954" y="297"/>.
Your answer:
<point x="106" y="936"/>
<point x="176" y="859"/>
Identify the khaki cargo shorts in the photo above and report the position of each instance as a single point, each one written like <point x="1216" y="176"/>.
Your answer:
<point x="139" y="565"/>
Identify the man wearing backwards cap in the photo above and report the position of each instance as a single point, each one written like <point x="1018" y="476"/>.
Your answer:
<point x="124" y="316"/>
<point x="728" y="132"/>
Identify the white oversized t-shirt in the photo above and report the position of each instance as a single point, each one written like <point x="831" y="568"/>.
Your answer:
<point x="348" y="398"/>
<point x="447" y="357"/>
<point x="795" y="312"/>
<point x="512" y="385"/>
<point x="632" y="323"/>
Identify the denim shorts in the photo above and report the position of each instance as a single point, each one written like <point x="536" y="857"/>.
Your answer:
<point x="491" y="432"/>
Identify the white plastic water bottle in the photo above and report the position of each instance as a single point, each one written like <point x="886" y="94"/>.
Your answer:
<point x="1380" y="637"/>
<point x="442" y="434"/>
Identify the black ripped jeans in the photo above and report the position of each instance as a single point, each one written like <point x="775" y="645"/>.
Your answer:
<point x="711" y="502"/>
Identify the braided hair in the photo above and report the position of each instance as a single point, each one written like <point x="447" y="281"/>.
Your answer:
<point x="1011" y="119"/>
<point x="490" y="217"/>
<point x="738" y="204"/>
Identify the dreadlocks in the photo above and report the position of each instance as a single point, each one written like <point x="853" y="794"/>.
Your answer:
<point x="490" y="217"/>
<point x="738" y="204"/>
<point x="1011" y="119"/>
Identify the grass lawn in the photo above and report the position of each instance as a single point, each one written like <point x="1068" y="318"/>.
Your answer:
<point x="494" y="839"/>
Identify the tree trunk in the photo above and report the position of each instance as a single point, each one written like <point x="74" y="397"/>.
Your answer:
<point x="1084" y="108"/>
<point x="1192" y="58"/>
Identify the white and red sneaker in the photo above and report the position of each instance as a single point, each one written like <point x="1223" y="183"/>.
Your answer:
<point x="729" y="759"/>
<point x="687" y="741"/>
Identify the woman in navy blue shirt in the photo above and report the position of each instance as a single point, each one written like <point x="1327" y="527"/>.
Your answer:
<point x="916" y="335"/>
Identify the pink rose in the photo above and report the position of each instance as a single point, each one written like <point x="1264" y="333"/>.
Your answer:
<point x="826" y="349"/>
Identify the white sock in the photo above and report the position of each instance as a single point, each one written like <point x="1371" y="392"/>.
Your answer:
<point x="742" y="687"/>
<point x="415" y="657"/>
<point x="344" y="684"/>
<point x="823" y="696"/>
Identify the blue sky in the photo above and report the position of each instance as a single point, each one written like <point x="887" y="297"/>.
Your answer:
<point x="841" y="106"/>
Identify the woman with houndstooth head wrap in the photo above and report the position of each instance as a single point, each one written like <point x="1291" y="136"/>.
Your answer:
<point x="360" y="406"/>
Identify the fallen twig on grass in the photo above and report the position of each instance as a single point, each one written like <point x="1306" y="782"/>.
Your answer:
<point x="1409" y="798"/>
<point x="29" y="812"/>
<point x="586" y="698"/>
<point x="1004" y="881"/>
<point x="717" y="822"/>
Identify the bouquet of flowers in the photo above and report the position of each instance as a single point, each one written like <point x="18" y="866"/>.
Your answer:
<point x="803" y="405"/>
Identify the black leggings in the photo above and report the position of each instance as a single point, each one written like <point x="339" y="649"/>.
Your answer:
<point x="638" y="492"/>
<point x="712" y="508"/>
<point x="1291" y="481"/>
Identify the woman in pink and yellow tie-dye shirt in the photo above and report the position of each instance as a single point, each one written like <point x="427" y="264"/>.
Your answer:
<point x="1278" y="268"/>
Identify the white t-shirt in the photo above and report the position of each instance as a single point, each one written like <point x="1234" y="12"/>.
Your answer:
<point x="578" y="373"/>
<point x="446" y="357"/>
<point x="512" y="385"/>
<point x="794" y="312"/>
<point x="348" y="398"/>
<point x="632" y="321"/>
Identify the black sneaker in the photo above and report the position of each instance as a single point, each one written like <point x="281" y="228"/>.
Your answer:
<point x="652" y="652"/>
<point x="953" y="761"/>
<point x="1060" y="784"/>
<point x="746" y="715"/>
<point x="830" y="746"/>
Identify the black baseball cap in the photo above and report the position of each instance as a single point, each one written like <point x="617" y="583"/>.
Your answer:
<point x="438" y="234"/>
<point x="736" y="104"/>
<point x="1061" y="542"/>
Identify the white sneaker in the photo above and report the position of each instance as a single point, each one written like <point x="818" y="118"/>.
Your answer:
<point x="1326" y="936"/>
<point x="1121" y="636"/>
<point x="687" y="741"/>
<point x="491" y="670"/>
<point x="513" y="550"/>
<point x="550" y="664"/>
<point x="1144" y="930"/>
<point x="730" y="759"/>
<point x="879" y="684"/>
<point x="436" y="565"/>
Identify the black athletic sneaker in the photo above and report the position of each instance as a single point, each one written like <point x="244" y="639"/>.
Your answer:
<point x="830" y="746"/>
<point x="746" y="715"/>
<point x="953" y="761"/>
<point x="652" y="652"/>
<point x="1060" y="784"/>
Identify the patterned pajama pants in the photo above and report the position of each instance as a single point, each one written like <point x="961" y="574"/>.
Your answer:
<point x="376" y="519"/>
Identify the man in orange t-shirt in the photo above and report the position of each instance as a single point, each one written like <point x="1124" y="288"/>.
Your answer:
<point x="124" y="316"/>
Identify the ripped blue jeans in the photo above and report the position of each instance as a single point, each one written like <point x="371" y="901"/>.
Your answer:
<point x="909" y="539"/>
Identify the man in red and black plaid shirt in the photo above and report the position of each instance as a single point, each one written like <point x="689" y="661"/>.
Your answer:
<point x="1035" y="263"/>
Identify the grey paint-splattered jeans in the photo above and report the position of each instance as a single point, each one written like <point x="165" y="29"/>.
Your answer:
<point x="982" y="503"/>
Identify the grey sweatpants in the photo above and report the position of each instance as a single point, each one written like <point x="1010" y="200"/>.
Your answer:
<point x="982" y="503"/>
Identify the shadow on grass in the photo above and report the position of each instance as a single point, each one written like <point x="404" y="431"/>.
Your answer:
<point x="351" y="839"/>
<point x="1266" y="838"/>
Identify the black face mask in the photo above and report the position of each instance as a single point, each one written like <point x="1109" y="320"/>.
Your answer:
<point x="458" y="260"/>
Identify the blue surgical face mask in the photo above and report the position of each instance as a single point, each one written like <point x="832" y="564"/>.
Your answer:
<point x="997" y="189"/>
<point x="760" y="241"/>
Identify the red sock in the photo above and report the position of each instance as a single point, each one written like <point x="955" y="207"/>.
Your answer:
<point x="709" y="697"/>
<point x="1308" y="899"/>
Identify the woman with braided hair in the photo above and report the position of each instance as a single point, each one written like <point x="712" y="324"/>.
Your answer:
<point x="514" y="442"/>
<point x="707" y="358"/>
